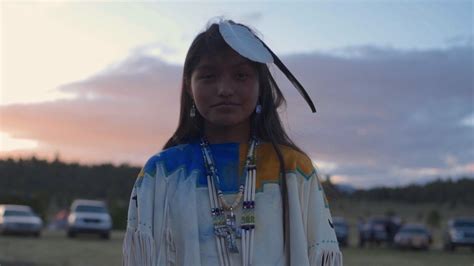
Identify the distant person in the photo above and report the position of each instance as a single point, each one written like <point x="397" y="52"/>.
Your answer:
<point x="230" y="187"/>
<point x="360" y="229"/>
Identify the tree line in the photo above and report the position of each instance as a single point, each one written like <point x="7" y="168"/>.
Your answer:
<point x="52" y="186"/>
<point x="49" y="186"/>
<point x="458" y="191"/>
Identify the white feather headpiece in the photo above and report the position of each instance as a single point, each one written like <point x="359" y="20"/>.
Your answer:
<point x="242" y="40"/>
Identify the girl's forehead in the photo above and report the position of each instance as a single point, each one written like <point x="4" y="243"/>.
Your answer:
<point x="226" y="57"/>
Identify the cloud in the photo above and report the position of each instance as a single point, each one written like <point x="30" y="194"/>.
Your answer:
<point x="124" y="113"/>
<point x="386" y="109"/>
<point x="385" y="116"/>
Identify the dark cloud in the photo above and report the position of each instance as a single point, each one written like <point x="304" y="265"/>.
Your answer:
<point x="384" y="116"/>
<point x="397" y="109"/>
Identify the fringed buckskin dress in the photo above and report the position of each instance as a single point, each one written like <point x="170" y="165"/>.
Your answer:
<point x="170" y="223"/>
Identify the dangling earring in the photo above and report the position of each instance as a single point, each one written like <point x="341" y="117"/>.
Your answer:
<point x="258" y="111"/>
<point x="192" y="113"/>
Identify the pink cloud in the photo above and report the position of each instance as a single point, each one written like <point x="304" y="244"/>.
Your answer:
<point x="380" y="110"/>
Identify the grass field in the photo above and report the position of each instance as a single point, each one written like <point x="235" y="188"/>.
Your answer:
<point x="53" y="248"/>
<point x="410" y="213"/>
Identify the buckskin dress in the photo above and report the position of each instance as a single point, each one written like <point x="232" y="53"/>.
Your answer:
<point x="169" y="217"/>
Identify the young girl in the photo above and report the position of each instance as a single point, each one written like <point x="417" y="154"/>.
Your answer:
<point x="230" y="187"/>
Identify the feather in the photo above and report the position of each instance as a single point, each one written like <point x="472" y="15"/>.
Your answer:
<point x="243" y="41"/>
<point x="292" y="79"/>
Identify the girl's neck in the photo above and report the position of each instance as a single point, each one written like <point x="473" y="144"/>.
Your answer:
<point x="222" y="134"/>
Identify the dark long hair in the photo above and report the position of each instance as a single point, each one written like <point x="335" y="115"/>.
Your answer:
<point x="266" y="126"/>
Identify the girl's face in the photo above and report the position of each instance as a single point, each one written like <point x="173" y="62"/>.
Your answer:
<point x="225" y="89"/>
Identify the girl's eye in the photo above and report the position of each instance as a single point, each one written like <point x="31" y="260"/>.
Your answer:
<point x="242" y="75"/>
<point x="207" y="76"/>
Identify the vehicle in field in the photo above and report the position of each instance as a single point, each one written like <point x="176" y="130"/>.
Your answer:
<point x="19" y="219"/>
<point x="342" y="230"/>
<point x="415" y="236"/>
<point x="89" y="216"/>
<point x="460" y="232"/>
<point x="378" y="230"/>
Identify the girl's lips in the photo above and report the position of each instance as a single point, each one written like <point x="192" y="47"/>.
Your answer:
<point x="225" y="105"/>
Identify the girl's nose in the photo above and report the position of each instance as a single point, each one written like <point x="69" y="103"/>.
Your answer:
<point x="225" y="87"/>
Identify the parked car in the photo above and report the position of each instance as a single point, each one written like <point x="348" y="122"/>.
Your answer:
<point x="379" y="230"/>
<point x="342" y="230"/>
<point x="19" y="219"/>
<point x="460" y="232"/>
<point x="413" y="236"/>
<point x="89" y="216"/>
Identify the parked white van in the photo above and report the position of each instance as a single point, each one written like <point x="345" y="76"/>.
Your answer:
<point x="19" y="219"/>
<point x="89" y="216"/>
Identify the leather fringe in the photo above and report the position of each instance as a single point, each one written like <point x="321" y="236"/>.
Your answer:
<point x="326" y="258"/>
<point x="138" y="249"/>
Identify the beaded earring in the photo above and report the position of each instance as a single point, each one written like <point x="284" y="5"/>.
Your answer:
<point x="258" y="109"/>
<point x="192" y="113"/>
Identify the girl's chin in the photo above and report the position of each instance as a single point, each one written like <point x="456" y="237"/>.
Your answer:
<point x="227" y="121"/>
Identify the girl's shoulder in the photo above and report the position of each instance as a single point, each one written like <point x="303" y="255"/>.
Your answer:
<point x="173" y="158"/>
<point x="295" y="161"/>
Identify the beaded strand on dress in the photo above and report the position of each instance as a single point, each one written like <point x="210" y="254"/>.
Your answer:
<point x="216" y="211"/>
<point x="219" y="204"/>
<point x="248" y="214"/>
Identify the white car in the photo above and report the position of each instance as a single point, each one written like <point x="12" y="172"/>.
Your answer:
<point x="413" y="236"/>
<point x="460" y="232"/>
<point x="89" y="216"/>
<point x="19" y="219"/>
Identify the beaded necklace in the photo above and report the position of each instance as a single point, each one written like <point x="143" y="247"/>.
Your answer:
<point x="223" y="217"/>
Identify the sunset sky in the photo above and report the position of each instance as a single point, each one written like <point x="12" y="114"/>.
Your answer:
<point x="392" y="81"/>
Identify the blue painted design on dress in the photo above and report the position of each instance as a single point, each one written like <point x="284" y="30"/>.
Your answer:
<point x="226" y="157"/>
<point x="189" y="157"/>
<point x="182" y="156"/>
